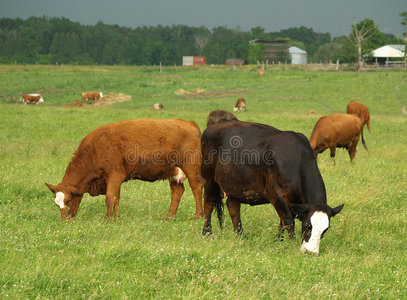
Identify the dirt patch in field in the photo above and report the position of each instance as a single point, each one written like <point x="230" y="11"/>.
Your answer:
<point x="200" y="93"/>
<point x="108" y="99"/>
<point x="111" y="98"/>
<point x="169" y="76"/>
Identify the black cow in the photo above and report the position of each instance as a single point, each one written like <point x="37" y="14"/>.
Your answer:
<point x="216" y="116"/>
<point x="258" y="164"/>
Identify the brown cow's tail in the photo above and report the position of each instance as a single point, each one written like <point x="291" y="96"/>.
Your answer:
<point x="219" y="206"/>
<point x="368" y="124"/>
<point x="363" y="141"/>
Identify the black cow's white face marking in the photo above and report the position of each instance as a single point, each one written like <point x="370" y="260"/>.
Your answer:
<point x="320" y="223"/>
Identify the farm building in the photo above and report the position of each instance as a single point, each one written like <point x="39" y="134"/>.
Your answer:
<point x="385" y="54"/>
<point x="235" y="61"/>
<point x="297" y="56"/>
<point x="193" y="60"/>
<point x="274" y="50"/>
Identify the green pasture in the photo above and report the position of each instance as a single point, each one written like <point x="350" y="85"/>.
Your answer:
<point x="141" y="256"/>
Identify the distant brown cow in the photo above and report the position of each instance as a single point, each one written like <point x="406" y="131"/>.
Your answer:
<point x="337" y="131"/>
<point x="359" y="109"/>
<point x="31" y="99"/>
<point x="240" y="104"/>
<point x="216" y="116"/>
<point x="77" y="103"/>
<point x="260" y="72"/>
<point x="145" y="149"/>
<point x="95" y="96"/>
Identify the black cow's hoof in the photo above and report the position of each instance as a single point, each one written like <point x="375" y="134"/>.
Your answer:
<point x="207" y="231"/>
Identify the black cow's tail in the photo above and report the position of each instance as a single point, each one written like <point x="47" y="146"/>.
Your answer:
<point x="219" y="207"/>
<point x="363" y="141"/>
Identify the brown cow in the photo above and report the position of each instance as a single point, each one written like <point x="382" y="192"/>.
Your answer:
<point x="240" y="104"/>
<point x="337" y="131"/>
<point x="95" y="96"/>
<point x="216" y="116"/>
<point x="359" y="109"/>
<point x="31" y="99"/>
<point x="145" y="149"/>
<point x="260" y="71"/>
<point x="77" y="103"/>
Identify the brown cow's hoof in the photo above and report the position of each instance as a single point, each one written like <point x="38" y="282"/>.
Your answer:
<point x="198" y="216"/>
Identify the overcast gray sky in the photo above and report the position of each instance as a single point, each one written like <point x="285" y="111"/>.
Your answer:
<point x="334" y="16"/>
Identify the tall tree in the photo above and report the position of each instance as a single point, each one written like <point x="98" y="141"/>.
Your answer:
<point x="359" y="35"/>
<point x="404" y="22"/>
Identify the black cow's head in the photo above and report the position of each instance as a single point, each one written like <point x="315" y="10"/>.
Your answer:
<point x="315" y="222"/>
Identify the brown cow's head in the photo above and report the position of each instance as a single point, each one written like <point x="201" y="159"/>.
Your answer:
<point x="67" y="200"/>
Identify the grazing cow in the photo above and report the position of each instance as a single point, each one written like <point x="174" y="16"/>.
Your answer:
<point x="31" y="99"/>
<point x="77" y="103"/>
<point x="259" y="164"/>
<point x="95" y="96"/>
<point x="158" y="106"/>
<point x="240" y="104"/>
<point x="260" y="71"/>
<point x="361" y="110"/>
<point x="145" y="149"/>
<point x="217" y="116"/>
<point x="337" y="131"/>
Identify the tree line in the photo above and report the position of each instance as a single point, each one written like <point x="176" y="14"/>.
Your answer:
<point x="46" y="40"/>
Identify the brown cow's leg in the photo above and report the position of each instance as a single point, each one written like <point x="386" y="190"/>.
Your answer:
<point x="333" y="151"/>
<point x="73" y="209"/>
<point x="113" y="196"/>
<point x="352" y="150"/>
<point x="192" y="172"/>
<point x="234" y="212"/>
<point x="177" y="189"/>
<point x="196" y="187"/>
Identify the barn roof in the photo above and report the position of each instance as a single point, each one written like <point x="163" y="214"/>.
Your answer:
<point x="296" y="50"/>
<point x="389" y="51"/>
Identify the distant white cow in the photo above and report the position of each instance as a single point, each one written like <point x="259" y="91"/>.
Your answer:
<point x="158" y="106"/>
<point x="31" y="98"/>
<point x="240" y="104"/>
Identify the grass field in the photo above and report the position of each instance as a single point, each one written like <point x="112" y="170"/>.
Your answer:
<point x="363" y="255"/>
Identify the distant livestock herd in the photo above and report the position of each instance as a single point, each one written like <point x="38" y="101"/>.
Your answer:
<point x="244" y="162"/>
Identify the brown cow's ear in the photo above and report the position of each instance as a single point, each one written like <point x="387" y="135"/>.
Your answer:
<point x="336" y="210"/>
<point x="51" y="187"/>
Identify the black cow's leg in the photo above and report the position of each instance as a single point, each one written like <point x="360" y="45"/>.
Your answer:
<point x="208" y="208"/>
<point x="177" y="189"/>
<point x="211" y="195"/>
<point x="234" y="212"/>
<point x="289" y="225"/>
<point x="280" y="232"/>
<point x="279" y="198"/>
